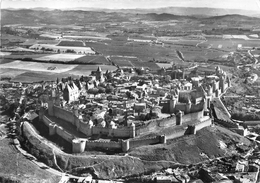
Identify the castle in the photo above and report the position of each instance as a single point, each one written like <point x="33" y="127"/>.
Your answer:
<point x="188" y="106"/>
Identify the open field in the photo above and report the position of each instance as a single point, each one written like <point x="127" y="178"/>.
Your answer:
<point x="31" y="76"/>
<point x="91" y="37"/>
<point x="83" y="50"/>
<point x="29" y="42"/>
<point x="10" y="40"/>
<point x="143" y="51"/>
<point x="246" y="43"/>
<point x="150" y="65"/>
<point x="52" y="36"/>
<point x="2" y="54"/>
<point x="133" y="62"/>
<point x="64" y="57"/>
<point x="123" y="61"/>
<point x="184" y="41"/>
<point x="36" y="66"/>
<point x="86" y="37"/>
<point x="22" y="71"/>
<point x="10" y="73"/>
<point x="161" y="65"/>
<point x="86" y="69"/>
<point x="92" y="60"/>
<point x="59" y="57"/>
<point x="24" y="57"/>
<point x="71" y="43"/>
<point x="244" y="37"/>
<point x="229" y="44"/>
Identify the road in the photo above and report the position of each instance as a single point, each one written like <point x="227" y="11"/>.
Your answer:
<point x="204" y="41"/>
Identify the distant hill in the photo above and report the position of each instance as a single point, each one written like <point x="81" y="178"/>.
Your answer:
<point x="162" y="17"/>
<point x="183" y="11"/>
<point x="67" y="17"/>
<point x="231" y="18"/>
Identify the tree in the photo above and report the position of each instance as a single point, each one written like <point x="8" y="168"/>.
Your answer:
<point x="167" y="79"/>
<point x="101" y="89"/>
<point x="139" y="71"/>
<point x="109" y="89"/>
<point x="109" y="76"/>
<point x="103" y="85"/>
<point x="93" y="91"/>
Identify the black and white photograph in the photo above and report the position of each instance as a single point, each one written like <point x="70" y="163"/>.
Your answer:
<point x="130" y="91"/>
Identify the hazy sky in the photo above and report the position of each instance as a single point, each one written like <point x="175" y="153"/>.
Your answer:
<point x="61" y="4"/>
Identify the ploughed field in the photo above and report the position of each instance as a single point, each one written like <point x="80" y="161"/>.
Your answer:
<point x="116" y="51"/>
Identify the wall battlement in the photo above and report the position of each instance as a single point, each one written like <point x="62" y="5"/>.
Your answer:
<point x="172" y="106"/>
<point x="130" y="132"/>
<point x="80" y="144"/>
<point x="155" y="125"/>
<point x="89" y="130"/>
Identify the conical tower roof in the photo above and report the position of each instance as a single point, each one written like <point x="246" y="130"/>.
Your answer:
<point x="99" y="69"/>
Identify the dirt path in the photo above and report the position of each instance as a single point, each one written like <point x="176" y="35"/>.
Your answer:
<point x="204" y="41"/>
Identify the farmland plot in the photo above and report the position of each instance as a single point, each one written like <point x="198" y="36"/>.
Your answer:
<point x="59" y="57"/>
<point x="92" y="60"/>
<point x="71" y="43"/>
<point x="36" y="66"/>
<point x="63" y="49"/>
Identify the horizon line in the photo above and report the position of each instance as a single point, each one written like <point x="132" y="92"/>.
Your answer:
<point x="205" y="7"/>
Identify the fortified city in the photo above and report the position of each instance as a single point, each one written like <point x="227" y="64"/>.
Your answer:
<point x="160" y="93"/>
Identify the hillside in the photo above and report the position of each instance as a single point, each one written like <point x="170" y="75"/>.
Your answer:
<point x="162" y="17"/>
<point x="185" y="11"/>
<point x="231" y="18"/>
<point x="59" y="17"/>
<point x="15" y="167"/>
<point x="212" y="141"/>
<point x="188" y="149"/>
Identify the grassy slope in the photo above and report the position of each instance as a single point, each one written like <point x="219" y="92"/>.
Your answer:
<point x="184" y="150"/>
<point x="187" y="149"/>
<point x="26" y="171"/>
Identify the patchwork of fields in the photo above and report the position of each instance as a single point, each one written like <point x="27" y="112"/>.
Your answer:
<point x="22" y="71"/>
<point x="90" y="51"/>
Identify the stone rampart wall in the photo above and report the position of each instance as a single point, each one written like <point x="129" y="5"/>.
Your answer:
<point x="142" y="142"/>
<point x="155" y="125"/>
<point x="46" y="120"/>
<point x="203" y="124"/>
<point x="176" y="133"/>
<point x="64" y="134"/>
<point x="226" y="123"/>
<point x="63" y="114"/>
<point x="167" y="122"/>
<point x="68" y="116"/>
<point x="98" y="144"/>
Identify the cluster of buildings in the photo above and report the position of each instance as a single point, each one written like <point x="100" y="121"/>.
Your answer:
<point x="126" y="96"/>
<point x="122" y="104"/>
